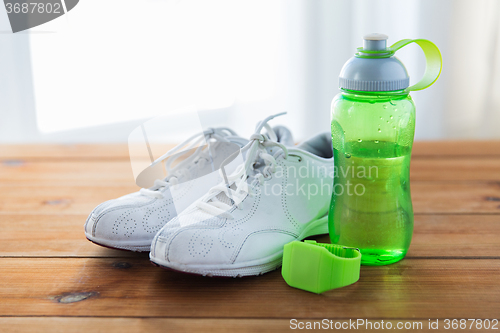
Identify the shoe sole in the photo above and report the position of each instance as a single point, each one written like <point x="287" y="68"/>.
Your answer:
<point x="133" y="247"/>
<point x="251" y="268"/>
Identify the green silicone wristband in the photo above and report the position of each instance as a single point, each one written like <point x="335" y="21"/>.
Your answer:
<point x="318" y="267"/>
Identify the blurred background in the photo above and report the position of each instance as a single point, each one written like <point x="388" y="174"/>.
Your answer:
<point x="100" y="71"/>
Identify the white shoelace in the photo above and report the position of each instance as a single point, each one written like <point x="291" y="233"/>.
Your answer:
<point x="237" y="187"/>
<point x="200" y="156"/>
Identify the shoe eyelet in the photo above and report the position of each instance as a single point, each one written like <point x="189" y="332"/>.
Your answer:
<point x="298" y="156"/>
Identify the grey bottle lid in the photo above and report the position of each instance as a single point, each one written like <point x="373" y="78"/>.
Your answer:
<point x="374" y="71"/>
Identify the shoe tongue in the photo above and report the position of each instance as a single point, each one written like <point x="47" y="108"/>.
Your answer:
<point x="222" y="197"/>
<point x="284" y="136"/>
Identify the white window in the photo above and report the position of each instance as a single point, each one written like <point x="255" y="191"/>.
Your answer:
<point x="113" y="61"/>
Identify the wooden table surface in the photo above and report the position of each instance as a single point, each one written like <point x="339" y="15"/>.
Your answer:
<point x="53" y="279"/>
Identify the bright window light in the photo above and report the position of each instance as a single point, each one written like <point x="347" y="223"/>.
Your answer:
<point x="120" y="60"/>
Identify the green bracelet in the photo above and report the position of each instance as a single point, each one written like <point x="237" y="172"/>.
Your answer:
<point x="318" y="267"/>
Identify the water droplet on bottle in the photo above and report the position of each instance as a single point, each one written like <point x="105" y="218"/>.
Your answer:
<point x="376" y="141"/>
<point x="385" y="106"/>
<point x="359" y="140"/>
<point x="394" y="127"/>
<point x="379" y="130"/>
<point x="387" y="121"/>
<point x="391" y="116"/>
<point x="395" y="110"/>
<point x="378" y="150"/>
<point x="347" y="155"/>
<point x="380" y="118"/>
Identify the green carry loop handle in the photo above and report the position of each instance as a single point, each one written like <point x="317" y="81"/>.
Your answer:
<point x="434" y="62"/>
<point x="433" y="65"/>
<point x="318" y="267"/>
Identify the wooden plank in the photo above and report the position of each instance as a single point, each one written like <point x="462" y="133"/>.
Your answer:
<point x="455" y="169"/>
<point x="161" y="325"/>
<point x="50" y="236"/>
<point x="134" y="325"/>
<point x="452" y="236"/>
<point x="465" y="197"/>
<point x="112" y="173"/>
<point x="69" y="151"/>
<point x="412" y="288"/>
<point x="120" y="150"/>
<point x="75" y="173"/>
<point x="428" y="198"/>
<point x="57" y="199"/>
<point x="102" y="151"/>
<point x="474" y="148"/>
<point x="455" y="236"/>
<point x="62" y="235"/>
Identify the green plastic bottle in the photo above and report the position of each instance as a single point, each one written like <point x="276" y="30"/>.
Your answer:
<point x="373" y="125"/>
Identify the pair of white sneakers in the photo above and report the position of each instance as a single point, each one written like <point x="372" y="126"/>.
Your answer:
<point x="233" y="228"/>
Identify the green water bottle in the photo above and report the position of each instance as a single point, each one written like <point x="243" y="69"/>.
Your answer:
<point x="373" y="125"/>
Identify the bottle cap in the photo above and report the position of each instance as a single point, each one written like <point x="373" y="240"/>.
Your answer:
<point x="375" y="68"/>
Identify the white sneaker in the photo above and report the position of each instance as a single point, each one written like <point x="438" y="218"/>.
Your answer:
<point x="130" y="222"/>
<point x="241" y="230"/>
